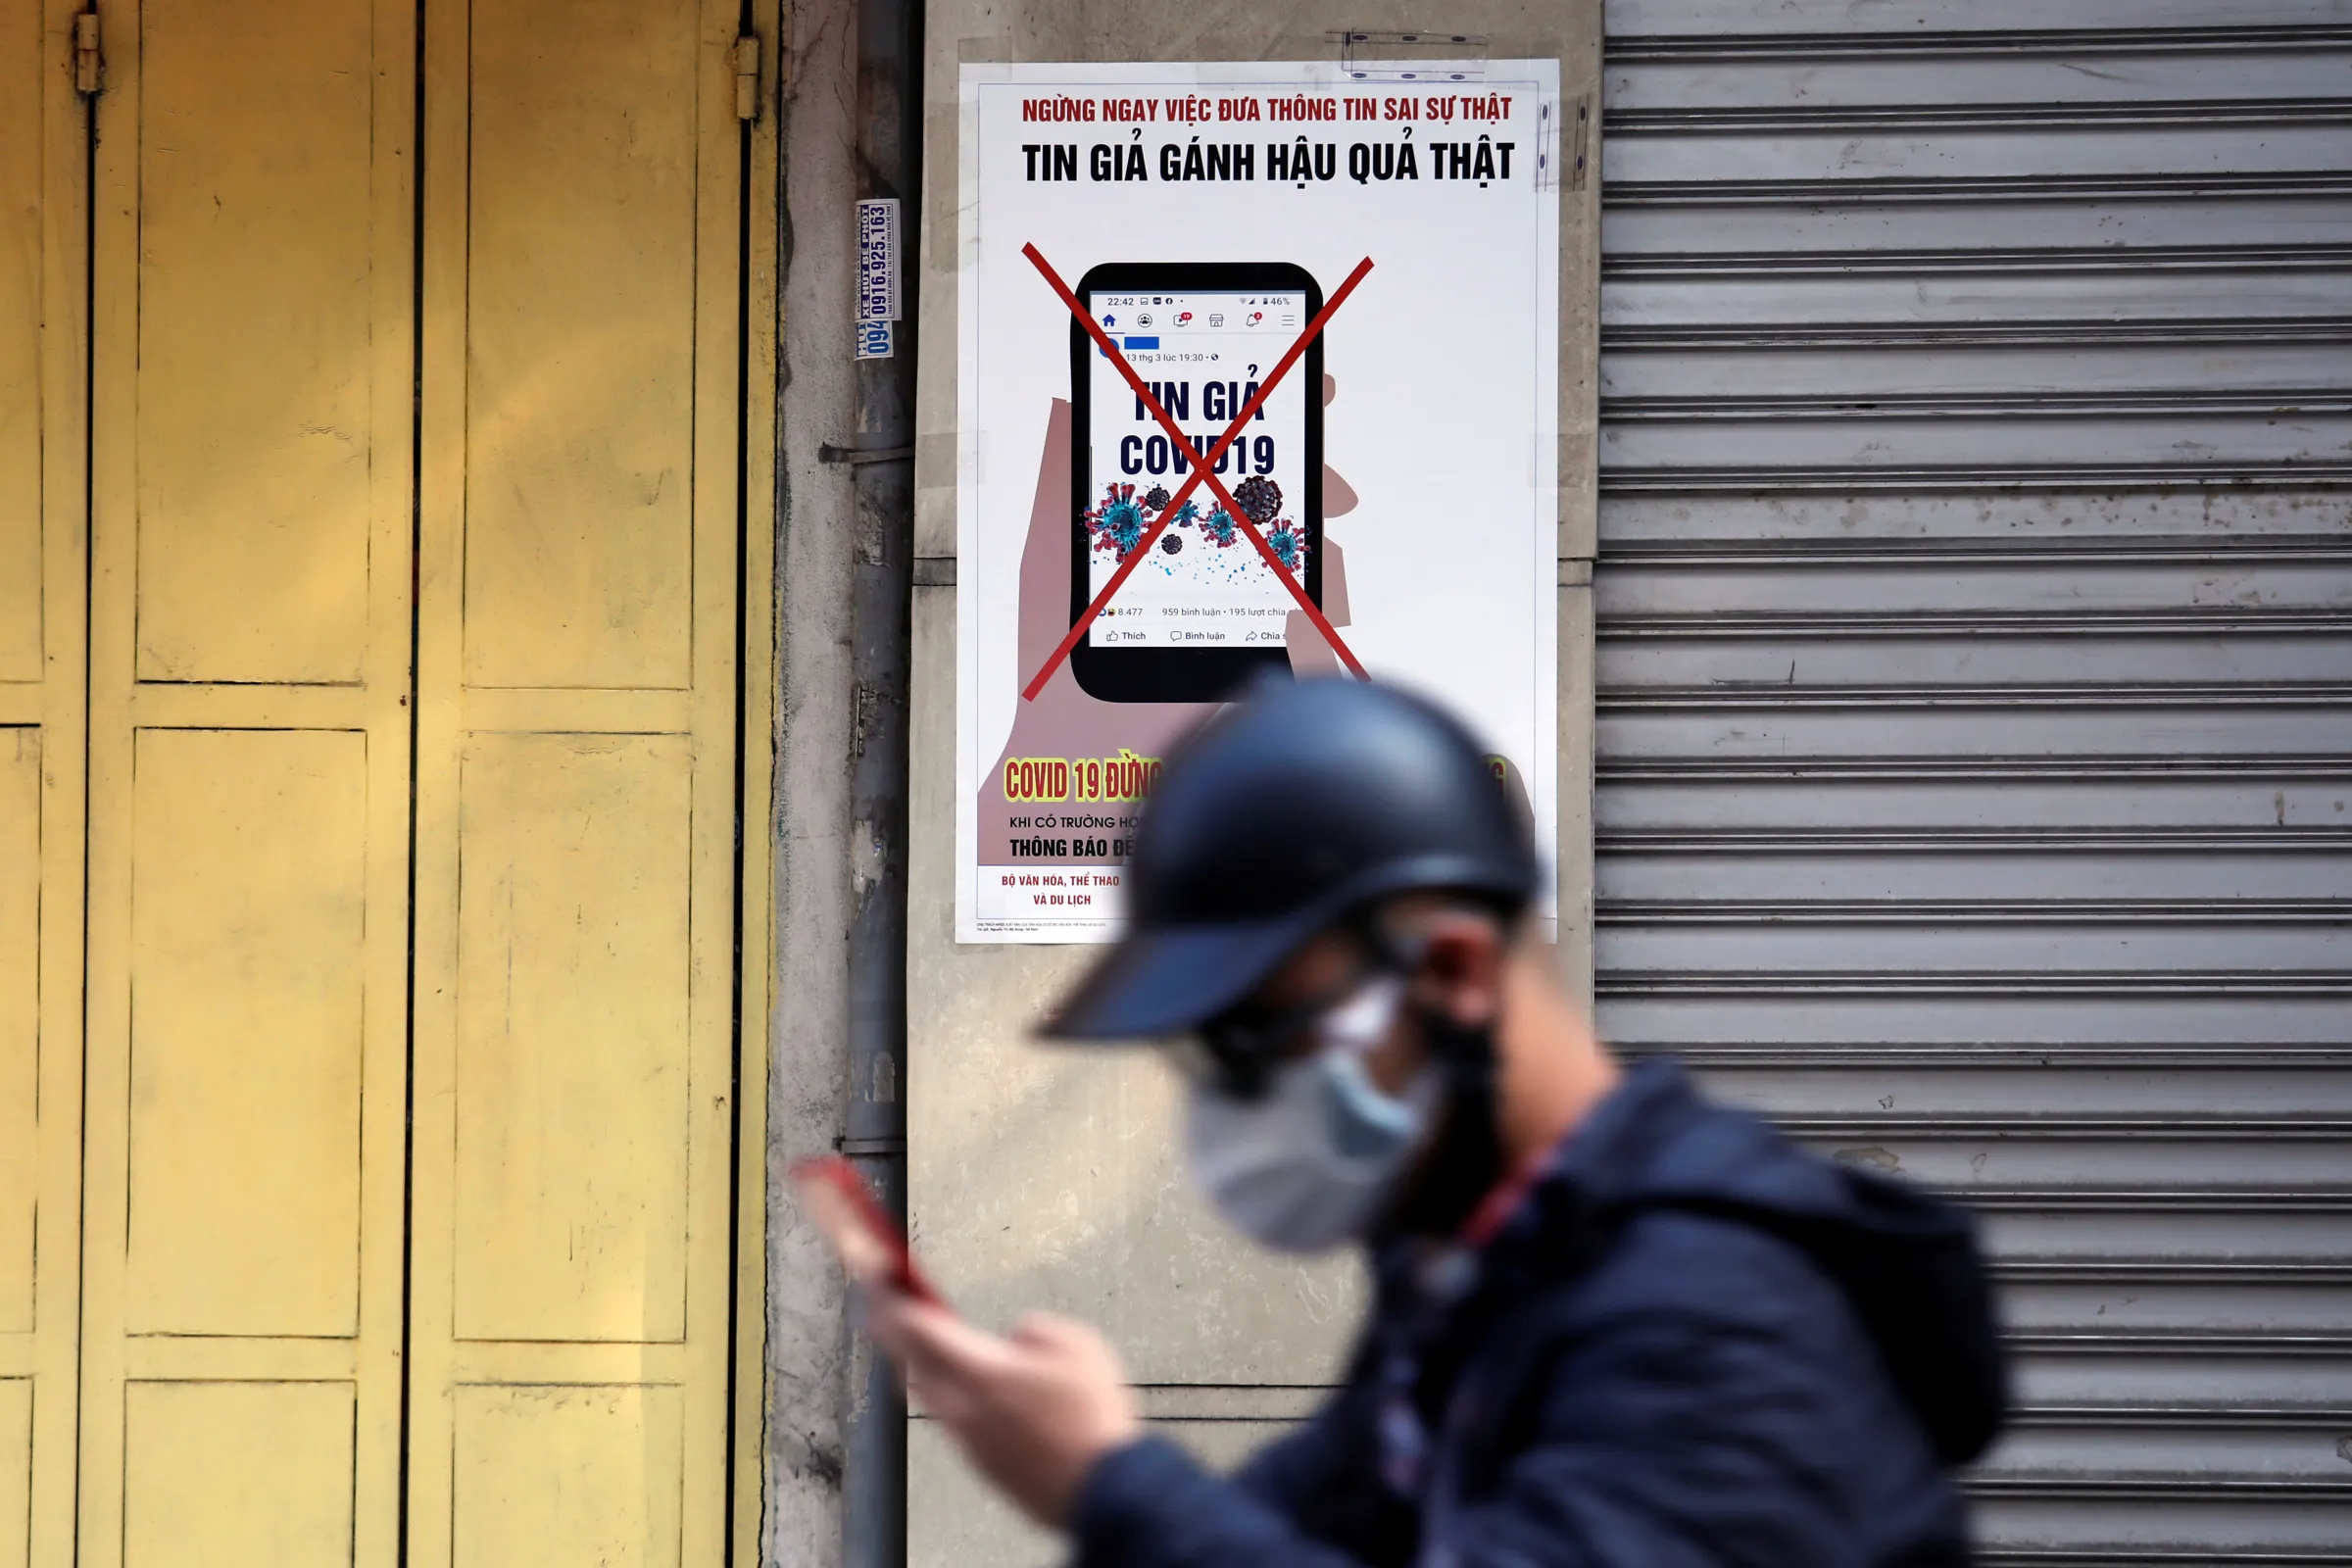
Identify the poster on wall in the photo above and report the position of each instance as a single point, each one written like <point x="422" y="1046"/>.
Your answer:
<point x="1257" y="379"/>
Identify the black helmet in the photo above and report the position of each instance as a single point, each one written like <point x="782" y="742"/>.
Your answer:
<point x="1279" y="818"/>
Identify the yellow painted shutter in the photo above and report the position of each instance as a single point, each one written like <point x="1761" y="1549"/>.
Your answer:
<point x="42" y="358"/>
<point x="576" y="780"/>
<point x="249" y="779"/>
<point x="227" y="1253"/>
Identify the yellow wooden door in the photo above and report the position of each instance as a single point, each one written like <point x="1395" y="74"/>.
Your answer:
<point x="250" y="503"/>
<point x="384" y="1214"/>
<point x="43" y="339"/>
<point x="576" y="783"/>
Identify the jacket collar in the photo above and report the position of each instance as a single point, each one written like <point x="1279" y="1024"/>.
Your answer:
<point x="1606" y="1161"/>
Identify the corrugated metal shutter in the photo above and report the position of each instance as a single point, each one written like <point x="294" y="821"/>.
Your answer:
<point x="1974" y="616"/>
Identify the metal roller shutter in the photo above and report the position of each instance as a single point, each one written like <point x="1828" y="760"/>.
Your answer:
<point x="1974" y="664"/>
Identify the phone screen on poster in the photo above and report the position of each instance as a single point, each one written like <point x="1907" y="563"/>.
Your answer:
<point x="1203" y="609"/>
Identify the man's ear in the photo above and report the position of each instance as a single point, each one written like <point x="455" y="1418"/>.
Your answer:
<point x="1460" y="972"/>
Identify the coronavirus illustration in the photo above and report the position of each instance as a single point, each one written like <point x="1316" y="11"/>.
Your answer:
<point x="1155" y="498"/>
<point x="1118" y="521"/>
<point x="1220" y="528"/>
<point x="1258" y="497"/>
<point x="1287" y="541"/>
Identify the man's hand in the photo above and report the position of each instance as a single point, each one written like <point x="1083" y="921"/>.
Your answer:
<point x="1033" y="1411"/>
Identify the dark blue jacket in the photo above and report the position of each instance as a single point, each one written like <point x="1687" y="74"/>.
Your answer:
<point x="1693" y="1346"/>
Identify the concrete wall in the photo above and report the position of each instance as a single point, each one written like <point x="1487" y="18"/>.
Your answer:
<point x="807" y="1342"/>
<point x="1045" y="1179"/>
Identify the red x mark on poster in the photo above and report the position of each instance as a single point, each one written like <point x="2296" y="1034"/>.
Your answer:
<point x="1201" y="464"/>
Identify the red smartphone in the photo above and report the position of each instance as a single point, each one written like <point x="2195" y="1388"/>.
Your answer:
<point x="873" y="1250"/>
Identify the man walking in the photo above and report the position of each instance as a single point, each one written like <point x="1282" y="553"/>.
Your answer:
<point x="1613" y="1323"/>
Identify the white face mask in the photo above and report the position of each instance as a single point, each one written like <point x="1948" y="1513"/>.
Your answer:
<point x="1307" y="1165"/>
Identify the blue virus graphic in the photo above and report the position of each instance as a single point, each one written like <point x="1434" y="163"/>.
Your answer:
<point x="1258" y="497"/>
<point x="1186" y="515"/>
<point x="1117" y="520"/>
<point x="1220" y="528"/>
<point x="1289" y="543"/>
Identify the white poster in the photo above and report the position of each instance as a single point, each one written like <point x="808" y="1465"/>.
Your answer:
<point x="1259" y="380"/>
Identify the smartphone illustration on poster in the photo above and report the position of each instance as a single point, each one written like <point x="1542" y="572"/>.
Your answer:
<point x="1202" y="611"/>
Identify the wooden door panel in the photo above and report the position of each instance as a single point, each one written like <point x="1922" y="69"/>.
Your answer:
<point x="23" y="62"/>
<point x="237" y="1474"/>
<point x="251" y="487"/>
<point x="20" y="1021"/>
<point x="581" y="284"/>
<point x="16" y="1472"/>
<point x="576" y="955"/>
<point x="248" y="1008"/>
<point x="254" y="430"/>
<point x="43" y="393"/>
<point x="575" y="781"/>
<point x="570" y="1472"/>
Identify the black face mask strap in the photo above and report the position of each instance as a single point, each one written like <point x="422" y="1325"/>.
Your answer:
<point x="1466" y="1161"/>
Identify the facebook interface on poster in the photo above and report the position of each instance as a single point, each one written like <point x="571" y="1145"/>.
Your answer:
<point x="1203" y="354"/>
